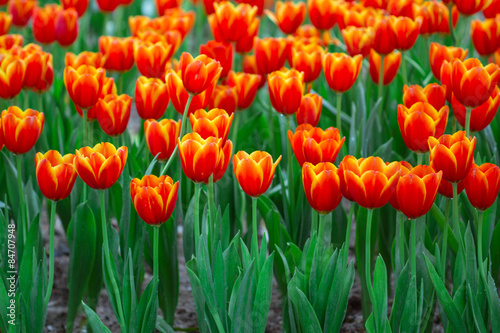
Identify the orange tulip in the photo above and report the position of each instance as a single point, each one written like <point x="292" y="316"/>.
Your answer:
<point x="359" y="17"/>
<point x="486" y="36"/>
<point x="163" y="5"/>
<point x="221" y="52"/>
<point x="308" y="32"/>
<point x="254" y="171"/>
<point x="446" y="188"/>
<point x="392" y="62"/>
<point x="250" y="67"/>
<point x="473" y="84"/>
<point x="432" y="93"/>
<point x="246" y="87"/>
<point x="179" y="95"/>
<point x="108" y="6"/>
<point x="1" y="135"/>
<point x="482" y="185"/>
<point x="234" y="21"/>
<point x="101" y="166"/>
<point x="21" y="129"/>
<point x="322" y="186"/>
<point x="55" y="174"/>
<point x="215" y="122"/>
<point x="480" y="116"/>
<point x="79" y="5"/>
<point x="199" y="157"/>
<point x="404" y="32"/>
<point x="113" y="113"/>
<point x="21" y="11"/>
<point x="453" y="154"/>
<point x="403" y="168"/>
<point x="419" y="122"/>
<point x="154" y="198"/>
<point x="341" y="71"/>
<point x="161" y="137"/>
<point x="382" y="41"/>
<point x="66" y="27"/>
<point x="312" y="144"/>
<point x="270" y="54"/>
<point x="151" y="97"/>
<point x="290" y="15"/>
<point x="439" y="53"/>
<point x="323" y="13"/>
<point x="285" y="90"/>
<point x="108" y="88"/>
<point x="44" y="23"/>
<point x="368" y="181"/>
<point x="492" y="9"/>
<point x="435" y="17"/>
<point x="5" y="21"/>
<point x="417" y="190"/>
<point x="94" y="59"/>
<point x="307" y="59"/>
<point x="470" y="7"/>
<point x="358" y="40"/>
<point x="9" y="41"/>
<point x="84" y="84"/>
<point x="310" y="110"/>
<point x="152" y="58"/>
<point x="224" y="159"/>
<point x="118" y="52"/>
<point x="39" y="69"/>
<point x="12" y="72"/>
<point x="246" y="43"/>
<point x="401" y="8"/>
<point x="224" y="97"/>
<point x="199" y="73"/>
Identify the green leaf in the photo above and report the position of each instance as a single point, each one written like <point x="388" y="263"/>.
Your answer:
<point x="409" y="322"/>
<point x="94" y="322"/>
<point x="476" y="312"/>
<point x="163" y="326"/>
<point x="242" y="314"/>
<point x="147" y="309"/>
<point x="262" y="299"/>
<point x="380" y="294"/>
<point x="307" y="319"/>
<point x="402" y="286"/>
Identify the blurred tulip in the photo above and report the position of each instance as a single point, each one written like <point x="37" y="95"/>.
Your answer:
<point x="246" y="87"/>
<point x="55" y="174"/>
<point x="151" y="97"/>
<point x="492" y="9"/>
<point x="290" y="15"/>
<point x="486" y="36"/>
<point x="39" y="70"/>
<point x="470" y="7"/>
<point x="401" y="8"/>
<point x="310" y="110"/>
<point x="323" y="13"/>
<point x="446" y="188"/>
<point x="481" y="116"/>
<point x="358" y="40"/>
<point x="215" y="122"/>
<point x="473" y="84"/>
<point x="179" y="96"/>
<point x="154" y="198"/>
<point x="417" y="190"/>
<point x="66" y="27"/>
<point x="101" y="166"/>
<point x="118" y="52"/>
<point x="382" y="41"/>
<point x="84" y="84"/>
<point x="152" y="58"/>
<point x="44" y="23"/>
<point x="250" y="67"/>
<point x="21" y="129"/>
<point x="285" y="90"/>
<point x="79" y="5"/>
<point x="225" y="155"/>
<point x="12" y="72"/>
<point x="254" y="171"/>
<point x="108" y="88"/>
<point x="307" y="59"/>
<point x="21" y="11"/>
<point x="321" y="186"/>
<point x="1" y="135"/>
<point x="94" y="59"/>
<point x="113" y="113"/>
<point x="307" y="31"/>
<point x="5" y="21"/>
<point x="234" y="21"/>
<point x="432" y="93"/>
<point x="224" y="97"/>
<point x="163" y="5"/>
<point x="312" y="144"/>
<point x="482" y="185"/>
<point x="199" y="73"/>
<point x="221" y="52"/>
<point x="453" y="154"/>
<point x="358" y="17"/>
<point x="161" y="137"/>
<point x="403" y="168"/>
<point x="208" y="5"/>
<point x="199" y="157"/>
<point x="439" y="53"/>
<point x="341" y="71"/>
<point x="392" y="62"/>
<point x="404" y="32"/>
<point x="9" y="41"/>
<point x="270" y="54"/>
<point x="246" y="43"/>
<point x="108" y="6"/>
<point x="435" y="17"/>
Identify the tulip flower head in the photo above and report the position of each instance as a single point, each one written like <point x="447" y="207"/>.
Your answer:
<point x="481" y="116"/>
<point x="221" y="52"/>
<point x="118" y="52"/>
<point x="5" y="21"/>
<point x="199" y="73"/>
<point x="246" y="86"/>
<point x="270" y="54"/>
<point x="404" y="32"/>
<point x="358" y="40"/>
<point x="151" y="97"/>
<point x="215" y="122"/>
<point x="95" y="59"/>
<point x="199" y="157"/>
<point x="439" y="53"/>
<point x="307" y="58"/>
<point x="254" y="171"/>
<point x="486" y="36"/>
<point x="392" y="62"/>
<point x="323" y="13"/>
<point x="55" y="174"/>
<point x="161" y="137"/>
<point x="152" y="58"/>
<point x="21" y="129"/>
<point x="289" y="15"/>
<point x="44" y="23"/>
<point x="154" y="198"/>
<point x="246" y="43"/>
<point x="310" y="110"/>
<point x="66" y="27"/>
<point x="470" y="7"/>
<point x="433" y="94"/>
<point x="79" y="5"/>
<point x="108" y="88"/>
<point x="113" y="113"/>
<point x="21" y="11"/>
<point x="403" y="168"/>
<point x="322" y="186"/>
<point x="286" y="88"/>
<point x="382" y="40"/>
<point x="234" y="21"/>
<point x="482" y="185"/>
<point x="341" y="71"/>
<point x="84" y="84"/>
<point x="224" y="97"/>
<point x="12" y="72"/>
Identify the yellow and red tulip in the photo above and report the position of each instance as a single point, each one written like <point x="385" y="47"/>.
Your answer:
<point x="21" y="129"/>
<point x="482" y="185"/>
<point x="118" y="52"/>
<point x="55" y="174"/>
<point x="310" y="110"/>
<point x="84" y="84"/>
<point x="254" y="171"/>
<point x="392" y="62"/>
<point x="285" y="90"/>
<point x="113" y="113"/>
<point x="161" y="137"/>
<point x="481" y="116"/>
<point x="246" y="86"/>
<point x="341" y="71"/>
<point x="322" y="186"/>
<point x="215" y="122"/>
<point x="224" y="97"/>
<point x="151" y="97"/>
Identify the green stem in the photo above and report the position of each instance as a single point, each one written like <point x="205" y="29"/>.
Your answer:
<point x="321" y="228"/>
<point x="420" y="158"/>
<point x="456" y="224"/>
<point x="368" y="273"/>
<point x="107" y="260"/>
<point x="156" y="234"/>
<point x="413" y="254"/>
<point x="381" y="78"/>
<point x="183" y="124"/>
<point x="468" y="112"/>
<point x="403" y="67"/>
<point x="196" y="215"/>
<point x="400" y="243"/>
<point x="480" y="243"/>
<point x="84" y="142"/>
<point x="339" y="104"/>
<point x="51" y="253"/>
<point x="348" y="233"/>
<point x="314" y="222"/>
<point x="290" y="177"/>
<point x="450" y="22"/>
<point x="445" y="238"/>
<point x="211" y="210"/>
<point x="24" y="222"/>
<point x="255" y="239"/>
<point x="120" y="83"/>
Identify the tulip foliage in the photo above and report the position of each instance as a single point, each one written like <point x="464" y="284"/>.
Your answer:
<point x="298" y="142"/>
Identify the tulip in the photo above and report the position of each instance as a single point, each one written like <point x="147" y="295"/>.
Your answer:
<point x="101" y="166"/>
<point x="55" y="174"/>
<point x="221" y="52"/>
<point x="321" y="186"/>
<point x="439" y="53"/>
<point x="152" y="58"/>
<point x="403" y="32"/>
<point x="401" y="8"/>
<point x="419" y="122"/>
<point x="199" y="73"/>
<point x="151" y="97"/>
<point x="358" y="40"/>
<point x="323" y="13"/>
<point x="246" y="43"/>
<point x="285" y="90"/>
<point x="360" y="17"/>
<point x="482" y="185"/>
<point x="250" y="67"/>
<point x="435" y="17"/>
<point x="417" y="190"/>
<point x="309" y="32"/>
<point x="382" y="41"/>
<point x="215" y="122"/>
<point x="1" y="136"/>
<point x="234" y="21"/>
<point x="21" y="11"/>
<point x="341" y="71"/>
<point x="118" y="52"/>
<point x="108" y="88"/>
<point x="66" y="27"/>
<point x="254" y="171"/>
<point x="433" y="94"/>
<point x="179" y="96"/>
<point x="312" y="144"/>
<point x="12" y="72"/>
<point x="161" y="137"/>
<point x="481" y="116"/>
<point x="446" y="188"/>
<point x="84" y="84"/>
<point x="108" y="6"/>
<point x="94" y="59"/>
<point x="310" y="110"/>
<point x="199" y="157"/>
<point x="21" y="129"/>
<point x="79" y="5"/>
<point x="39" y="70"/>
<point x="9" y="41"/>
<point x="246" y="86"/>
<point x="208" y="5"/>
<point x="290" y="15"/>
<point x="486" y="36"/>
<point x="452" y="154"/>
<point x="492" y="9"/>
<point x="470" y="7"/>
<point x="403" y="168"/>
<point x="270" y="54"/>
<point x="225" y="154"/>
<point x="5" y="21"/>
<point x="390" y="66"/>
<point x="154" y="198"/>
<point x="163" y="5"/>
<point x="224" y="97"/>
<point x="307" y="59"/>
<point x="113" y="113"/>
<point x="44" y="23"/>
